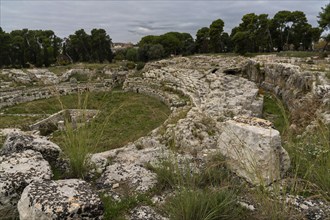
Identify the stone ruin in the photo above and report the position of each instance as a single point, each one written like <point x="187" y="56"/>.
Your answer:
<point x="216" y="107"/>
<point x="76" y="117"/>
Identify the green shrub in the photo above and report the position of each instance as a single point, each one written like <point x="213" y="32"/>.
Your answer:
<point x="140" y="65"/>
<point x="130" y="65"/>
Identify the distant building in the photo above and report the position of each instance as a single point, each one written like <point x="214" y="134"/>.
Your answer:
<point x="120" y="46"/>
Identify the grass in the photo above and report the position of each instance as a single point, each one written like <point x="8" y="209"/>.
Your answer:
<point x="116" y="210"/>
<point x="138" y="115"/>
<point x="206" y="194"/>
<point x="309" y="174"/>
<point x="301" y="54"/>
<point x="2" y="140"/>
<point x="309" y="152"/>
<point x="274" y="111"/>
<point x="172" y="173"/>
<point x="123" y="118"/>
<point x="16" y="121"/>
<point x="203" y="205"/>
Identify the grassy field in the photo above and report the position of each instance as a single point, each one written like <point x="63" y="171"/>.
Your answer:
<point x="124" y="117"/>
<point x="14" y="121"/>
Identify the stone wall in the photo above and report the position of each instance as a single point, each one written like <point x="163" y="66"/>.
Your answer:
<point x="14" y="97"/>
<point x="73" y="115"/>
<point x="298" y="88"/>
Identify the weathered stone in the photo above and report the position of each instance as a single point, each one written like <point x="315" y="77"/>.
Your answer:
<point x="193" y="133"/>
<point x="127" y="169"/>
<point x="135" y="176"/>
<point x="19" y="141"/>
<point x="62" y="199"/>
<point x="253" y="150"/>
<point x="17" y="170"/>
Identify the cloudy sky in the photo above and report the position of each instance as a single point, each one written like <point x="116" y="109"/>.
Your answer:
<point x="128" y="21"/>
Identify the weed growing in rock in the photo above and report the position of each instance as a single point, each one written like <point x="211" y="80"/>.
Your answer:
<point x="309" y="152"/>
<point x="202" y="193"/>
<point x="117" y="209"/>
<point x="204" y="204"/>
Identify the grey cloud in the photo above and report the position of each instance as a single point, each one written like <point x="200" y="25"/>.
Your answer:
<point x="130" y="20"/>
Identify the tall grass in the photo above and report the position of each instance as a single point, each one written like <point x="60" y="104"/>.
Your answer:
<point x="81" y="137"/>
<point x="199" y="194"/>
<point x="309" y="151"/>
<point x="203" y="205"/>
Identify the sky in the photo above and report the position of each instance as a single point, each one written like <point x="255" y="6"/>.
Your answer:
<point x="128" y="21"/>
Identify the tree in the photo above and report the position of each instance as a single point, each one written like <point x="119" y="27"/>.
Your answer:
<point x="171" y="42"/>
<point x="215" y="31"/>
<point x="202" y="40"/>
<point x="225" y="39"/>
<point x="132" y="54"/>
<point x="281" y="24"/>
<point x="149" y="52"/>
<point x="100" y="45"/>
<point x="5" y="40"/>
<point x="241" y="42"/>
<point x="324" y="22"/>
<point x="291" y="28"/>
<point x="156" y="52"/>
<point x="252" y="34"/>
<point x="79" y="46"/>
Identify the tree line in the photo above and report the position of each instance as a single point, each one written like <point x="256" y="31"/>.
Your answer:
<point x="23" y="48"/>
<point x="287" y="30"/>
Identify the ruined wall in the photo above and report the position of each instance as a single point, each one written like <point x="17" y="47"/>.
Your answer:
<point x="13" y="97"/>
<point x="300" y="90"/>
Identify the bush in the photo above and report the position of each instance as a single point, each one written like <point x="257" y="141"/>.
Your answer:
<point x="140" y="65"/>
<point x="130" y="65"/>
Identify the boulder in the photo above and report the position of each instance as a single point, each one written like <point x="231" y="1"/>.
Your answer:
<point x="134" y="176"/>
<point x="253" y="150"/>
<point x="19" y="141"/>
<point x="17" y="170"/>
<point x="62" y="199"/>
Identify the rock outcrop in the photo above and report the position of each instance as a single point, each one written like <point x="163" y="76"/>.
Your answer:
<point x="18" y="141"/>
<point x="300" y="86"/>
<point x="62" y="199"/>
<point x="216" y="94"/>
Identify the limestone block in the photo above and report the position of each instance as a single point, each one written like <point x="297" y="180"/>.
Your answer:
<point x="17" y="170"/>
<point x="62" y="199"/>
<point x="253" y="150"/>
